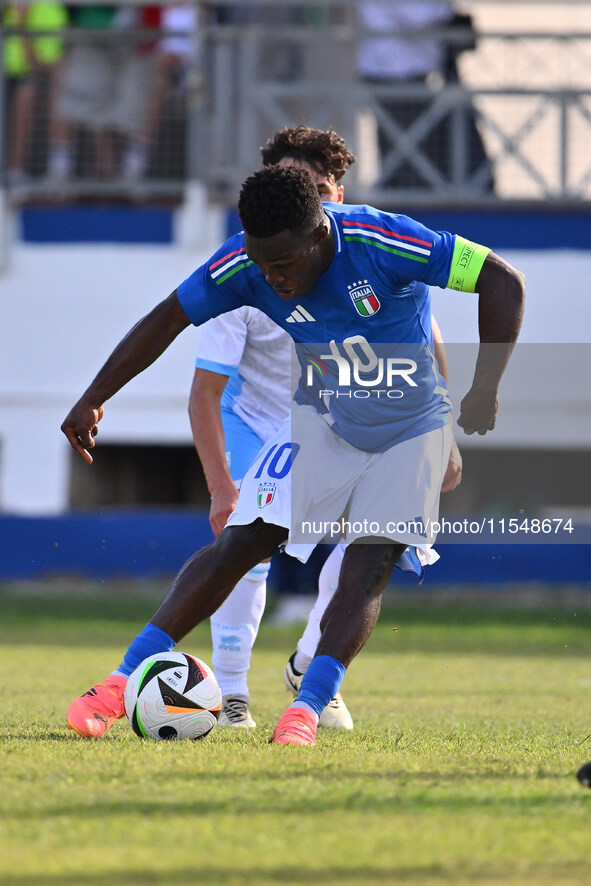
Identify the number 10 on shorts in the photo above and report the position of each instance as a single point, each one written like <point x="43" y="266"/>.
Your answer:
<point x="278" y="461"/>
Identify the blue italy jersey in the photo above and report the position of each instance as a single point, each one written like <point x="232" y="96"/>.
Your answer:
<point x="363" y="335"/>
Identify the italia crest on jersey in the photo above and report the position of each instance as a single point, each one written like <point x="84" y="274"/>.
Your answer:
<point x="364" y="298"/>
<point x="266" y="494"/>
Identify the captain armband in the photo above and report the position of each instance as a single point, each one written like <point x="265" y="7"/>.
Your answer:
<point x="466" y="264"/>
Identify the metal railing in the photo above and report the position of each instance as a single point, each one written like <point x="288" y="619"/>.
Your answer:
<point x="515" y="124"/>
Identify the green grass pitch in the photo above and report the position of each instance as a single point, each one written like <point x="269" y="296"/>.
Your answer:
<point x="471" y="721"/>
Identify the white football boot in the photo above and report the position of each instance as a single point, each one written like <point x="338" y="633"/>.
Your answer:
<point x="235" y="712"/>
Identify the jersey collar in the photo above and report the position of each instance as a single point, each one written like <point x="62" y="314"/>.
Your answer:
<point x="336" y="229"/>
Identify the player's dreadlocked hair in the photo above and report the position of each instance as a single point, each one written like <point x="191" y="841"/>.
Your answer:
<point x="322" y="149"/>
<point x="279" y="198"/>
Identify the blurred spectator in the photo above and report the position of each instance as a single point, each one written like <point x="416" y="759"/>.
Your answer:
<point x="175" y="55"/>
<point x="31" y="67"/>
<point x="106" y="89"/>
<point x="283" y="59"/>
<point x="386" y="57"/>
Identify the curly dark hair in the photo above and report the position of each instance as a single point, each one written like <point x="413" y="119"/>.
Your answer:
<point x="323" y="149"/>
<point x="279" y="198"/>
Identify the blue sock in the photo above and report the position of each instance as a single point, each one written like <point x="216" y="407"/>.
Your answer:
<point x="321" y="682"/>
<point x="149" y="642"/>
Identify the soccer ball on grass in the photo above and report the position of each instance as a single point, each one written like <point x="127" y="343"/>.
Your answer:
<point x="172" y="695"/>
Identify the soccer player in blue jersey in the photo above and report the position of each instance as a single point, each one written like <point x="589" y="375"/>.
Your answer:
<point x="235" y="406"/>
<point x="356" y="279"/>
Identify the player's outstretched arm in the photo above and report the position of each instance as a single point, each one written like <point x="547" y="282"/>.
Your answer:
<point x="142" y="345"/>
<point x="501" y="303"/>
<point x="210" y="441"/>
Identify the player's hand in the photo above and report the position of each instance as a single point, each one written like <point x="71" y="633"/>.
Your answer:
<point x="81" y="427"/>
<point x="453" y="473"/>
<point x="478" y="411"/>
<point x="223" y="502"/>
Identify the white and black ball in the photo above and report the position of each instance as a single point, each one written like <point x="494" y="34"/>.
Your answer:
<point x="172" y="696"/>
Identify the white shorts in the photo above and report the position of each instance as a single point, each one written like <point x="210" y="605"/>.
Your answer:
<point x="324" y="489"/>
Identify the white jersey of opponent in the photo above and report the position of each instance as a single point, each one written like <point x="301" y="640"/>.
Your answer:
<point x="255" y="354"/>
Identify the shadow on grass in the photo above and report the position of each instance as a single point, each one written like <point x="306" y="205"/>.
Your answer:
<point x="132" y="601"/>
<point x="104" y="617"/>
<point x="290" y="875"/>
<point x="33" y="609"/>
<point x="419" y="795"/>
<point x="216" y="875"/>
<point x="24" y="735"/>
